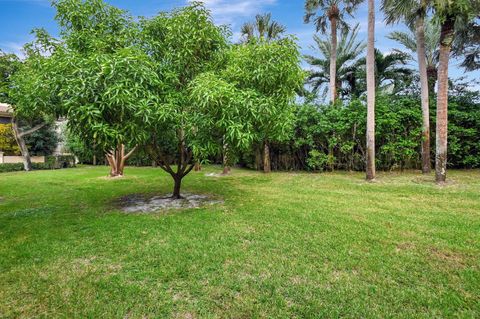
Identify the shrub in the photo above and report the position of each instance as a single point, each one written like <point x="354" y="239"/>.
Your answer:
<point x="4" y="168"/>
<point x="8" y="145"/>
<point x="51" y="162"/>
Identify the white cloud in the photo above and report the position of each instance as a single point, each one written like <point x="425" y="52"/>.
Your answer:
<point x="228" y="11"/>
<point x="13" y="47"/>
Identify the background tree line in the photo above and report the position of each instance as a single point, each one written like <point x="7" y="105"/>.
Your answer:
<point x="167" y="91"/>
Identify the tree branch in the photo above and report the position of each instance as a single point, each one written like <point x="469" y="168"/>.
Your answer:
<point x="130" y="153"/>
<point x="188" y="170"/>
<point x="32" y="130"/>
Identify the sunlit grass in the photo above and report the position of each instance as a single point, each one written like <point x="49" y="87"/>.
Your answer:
<point x="283" y="245"/>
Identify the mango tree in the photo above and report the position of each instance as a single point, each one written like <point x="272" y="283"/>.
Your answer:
<point x="98" y="77"/>
<point x="271" y="71"/>
<point x="185" y="43"/>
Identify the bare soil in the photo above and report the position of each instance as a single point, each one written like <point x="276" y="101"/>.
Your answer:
<point x="138" y="203"/>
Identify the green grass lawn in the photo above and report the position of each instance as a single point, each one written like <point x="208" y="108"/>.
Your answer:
<point x="285" y="245"/>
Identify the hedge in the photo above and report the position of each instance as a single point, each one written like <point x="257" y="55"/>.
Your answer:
<point x="11" y="167"/>
<point x="51" y="162"/>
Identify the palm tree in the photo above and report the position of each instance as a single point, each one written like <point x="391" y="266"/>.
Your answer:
<point x="414" y="12"/>
<point x="349" y="50"/>
<point x="371" y="92"/>
<point x="262" y="28"/>
<point x="466" y="46"/>
<point x="432" y="36"/>
<point x="452" y="14"/>
<point x="333" y="11"/>
<point x="391" y="71"/>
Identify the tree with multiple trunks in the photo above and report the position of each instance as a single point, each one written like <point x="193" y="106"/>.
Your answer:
<point x="97" y="77"/>
<point x="333" y="13"/>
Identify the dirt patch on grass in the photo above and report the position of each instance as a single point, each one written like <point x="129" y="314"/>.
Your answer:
<point x="452" y="258"/>
<point x="138" y="203"/>
<point x="430" y="180"/>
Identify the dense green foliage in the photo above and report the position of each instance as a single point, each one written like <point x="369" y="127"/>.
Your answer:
<point x="95" y="75"/>
<point x="333" y="137"/>
<point x="9" y="63"/>
<point x="11" y="167"/>
<point x="258" y="87"/>
<point x="42" y="142"/>
<point x="8" y="145"/>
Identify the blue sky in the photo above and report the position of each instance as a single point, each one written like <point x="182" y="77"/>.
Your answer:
<point x="19" y="17"/>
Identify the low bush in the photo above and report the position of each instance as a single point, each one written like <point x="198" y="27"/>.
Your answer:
<point x="51" y="162"/>
<point x="9" y="167"/>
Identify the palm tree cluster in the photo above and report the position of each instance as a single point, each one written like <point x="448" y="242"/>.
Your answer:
<point x="263" y="28"/>
<point x="436" y="29"/>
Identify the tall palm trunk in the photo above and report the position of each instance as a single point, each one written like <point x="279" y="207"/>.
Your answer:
<point x="422" y="68"/>
<point x="446" y="40"/>
<point x="333" y="57"/>
<point x="371" y="92"/>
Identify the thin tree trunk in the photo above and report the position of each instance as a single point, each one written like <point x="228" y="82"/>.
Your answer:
<point x="94" y="153"/>
<point x="422" y="68"/>
<point x="258" y="157"/>
<point x="371" y="92"/>
<point x="333" y="61"/>
<point x="198" y="166"/>
<point x="432" y="74"/>
<point x="226" y="167"/>
<point x="27" y="162"/>
<point x="19" y="137"/>
<point x="446" y="40"/>
<point x="177" y="186"/>
<point x="267" y="167"/>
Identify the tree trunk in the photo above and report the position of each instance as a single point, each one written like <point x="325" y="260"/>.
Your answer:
<point x="117" y="160"/>
<point x="267" y="167"/>
<point x="176" y="187"/>
<point x="258" y="157"/>
<point x="27" y="162"/>
<point x="422" y="68"/>
<point x="371" y="92"/>
<point x="446" y="40"/>
<point x="432" y="79"/>
<point x="333" y="60"/>
<point x="198" y="166"/>
<point x="226" y="167"/>
<point x="94" y="161"/>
